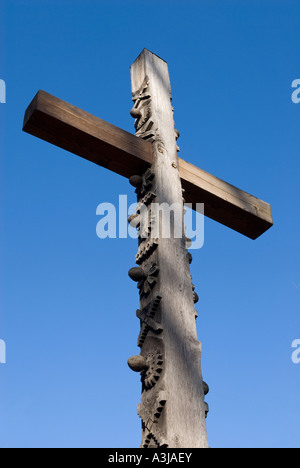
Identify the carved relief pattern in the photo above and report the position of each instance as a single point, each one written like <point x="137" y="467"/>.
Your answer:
<point x="146" y="249"/>
<point x="147" y="199"/>
<point x="145" y="226"/>
<point x="150" y="338"/>
<point x="142" y="112"/>
<point x="150" y="413"/>
<point x="142" y="183"/>
<point x="148" y="323"/>
<point x="154" y="364"/>
<point x="147" y="283"/>
<point x="151" y="362"/>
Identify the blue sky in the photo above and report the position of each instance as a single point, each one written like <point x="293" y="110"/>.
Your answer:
<point x="67" y="304"/>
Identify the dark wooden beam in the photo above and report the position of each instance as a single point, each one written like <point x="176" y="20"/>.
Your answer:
<point x="225" y="203"/>
<point x="104" y="144"/>
<point x="81" y="133"/>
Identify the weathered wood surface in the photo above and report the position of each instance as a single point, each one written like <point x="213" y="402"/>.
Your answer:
<point x="102" y="143"/>
<point x="173" y="409"/>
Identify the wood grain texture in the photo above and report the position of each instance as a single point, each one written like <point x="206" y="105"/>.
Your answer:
<point x="182" y="423"/>
<point x="104" y="144"/>
<point x="85" y="135"/>
<point x="225" y="203"/>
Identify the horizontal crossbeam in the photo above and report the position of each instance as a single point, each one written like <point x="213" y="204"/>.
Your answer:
<point x="106" y="145"/>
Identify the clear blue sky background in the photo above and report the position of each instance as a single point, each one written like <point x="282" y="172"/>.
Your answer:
<point x="67" y="304"/>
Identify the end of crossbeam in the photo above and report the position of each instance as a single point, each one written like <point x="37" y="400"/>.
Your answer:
<point x="30" y="111"/>
<point x="224" y="203"/>
<point x="75" y="130"/>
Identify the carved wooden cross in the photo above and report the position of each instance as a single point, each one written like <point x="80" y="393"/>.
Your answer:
<point x="172" y="407"/>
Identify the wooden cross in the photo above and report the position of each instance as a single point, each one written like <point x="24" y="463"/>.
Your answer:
<point x="172" y="407"/>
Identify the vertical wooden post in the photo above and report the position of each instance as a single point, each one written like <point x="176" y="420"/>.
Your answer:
<point x="172" y="405"/>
